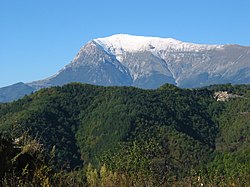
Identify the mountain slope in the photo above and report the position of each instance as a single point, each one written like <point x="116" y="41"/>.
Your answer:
<point x="15" y="91"/>
<point x="161" y="136"/>
<point x="85" y="122"/>
<point x="149" y="62"/>
<point x="92" y="65"/>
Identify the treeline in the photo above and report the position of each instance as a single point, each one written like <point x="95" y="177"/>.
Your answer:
<point x="81" y="135"/>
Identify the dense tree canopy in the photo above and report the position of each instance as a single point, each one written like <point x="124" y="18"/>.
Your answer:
<point x="156" y="137"/>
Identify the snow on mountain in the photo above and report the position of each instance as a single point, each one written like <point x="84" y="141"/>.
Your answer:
<point x="117" y="44"/>
<point x="148" y="62"/>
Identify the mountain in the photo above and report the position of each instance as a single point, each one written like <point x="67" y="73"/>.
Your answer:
<point x="18" y="90"/>
<point x="149" y="62"/>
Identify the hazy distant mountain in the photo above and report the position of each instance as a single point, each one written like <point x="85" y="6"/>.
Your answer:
<point x="14" y="92"/>
<point x="149" y="62"/>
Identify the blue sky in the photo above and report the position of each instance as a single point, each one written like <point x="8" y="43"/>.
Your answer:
<point x="37" y="38"/>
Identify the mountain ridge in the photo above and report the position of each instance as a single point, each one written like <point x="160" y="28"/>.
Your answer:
<point x="132" y="43"/>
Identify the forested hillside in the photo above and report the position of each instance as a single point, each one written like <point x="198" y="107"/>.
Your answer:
<point x="84" y="135"/>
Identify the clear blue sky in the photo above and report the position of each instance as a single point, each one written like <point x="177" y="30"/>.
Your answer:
<point x="37" y="38"/>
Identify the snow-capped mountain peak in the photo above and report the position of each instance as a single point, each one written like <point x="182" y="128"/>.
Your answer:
<point x="117" y="44"/>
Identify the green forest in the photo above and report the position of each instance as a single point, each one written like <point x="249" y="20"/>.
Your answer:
<point x="85" y="135"/>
